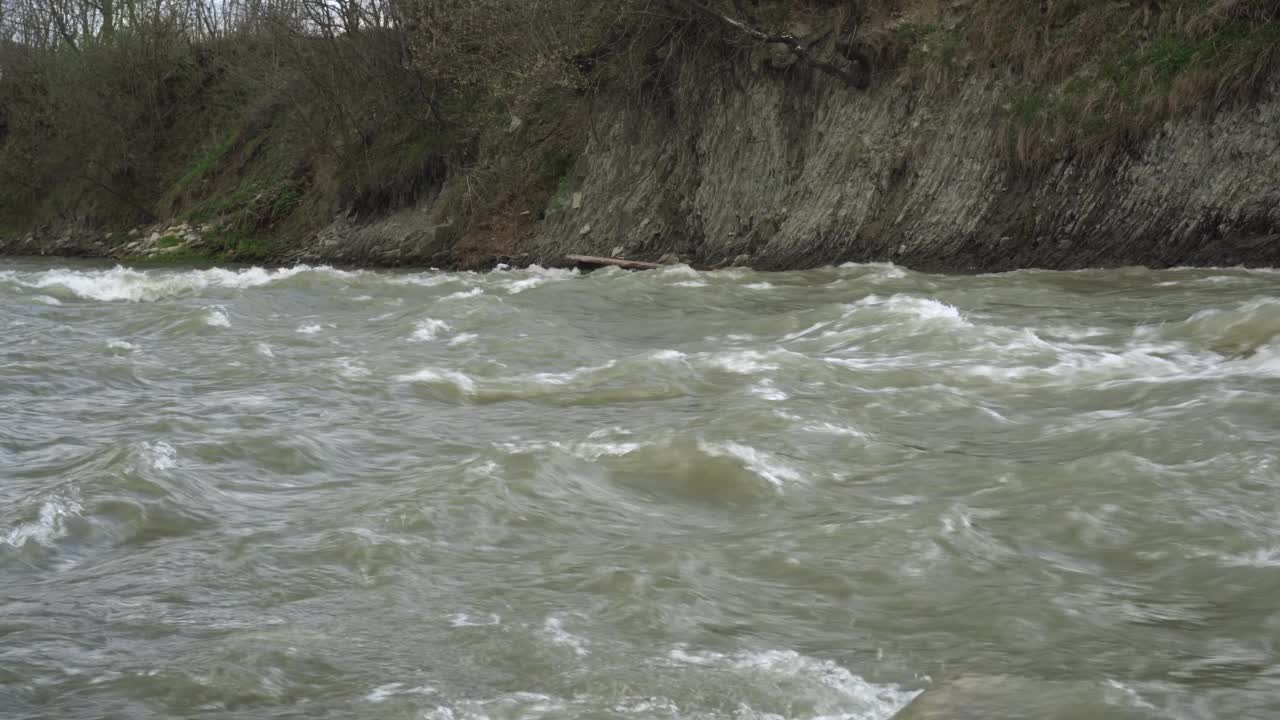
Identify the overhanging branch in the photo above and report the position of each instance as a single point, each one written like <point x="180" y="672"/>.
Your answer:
<point x="860" y="80"/>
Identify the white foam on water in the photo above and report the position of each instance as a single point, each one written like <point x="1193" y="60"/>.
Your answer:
<point x="827" y="428"/>
<point x="264" y="350"/>
<point x="957" y="518"/>
<point x="1072" y="332"/>
<point x="46" y="299"/>
<point x="689" y="283"/>
<point x="125" y="345"/>
<point x="1163" y="362"/>
<point x="462" y="339"/>
<point x="1260" y="558"/>
<point x="49" y="526"/>
<point x="595" y="451"/>
<point x="486" y="469"/>
<point x="759" y="462"/>
<point x="882" y="269"/>
<point x="463" y="294"/>
<point x="1125" y="695"/>
<point x="766" y="390"/>
<point x="527" y="446"/>
<point x="123" y="284"/>
<point x="429" y="329"/>
<point x="540" y="276"/>
<point x="705" y="659"/>
<point x="554" y="630"/>
<point x="382" y="693"/>
<point x="850" y="697"/>
<point x="520" y="286"/>
<point x="649" y="707"/>
<point x="606" y="432"/>
<point x="1136" y="363"/>
<point x="536" y="706"/>
<point x="158" y="455"/>
<point x="431" y="279"/>
<point x="926" y="309"/>
<point x="590" y="451"/>
<point x="311" y="329"/>
<point x="1239" y="340"/>
<point x="561" y="273"/>
<point x="912" y="308"/>
<point x="801" y="333"/>
<point x="1264" y="362"/>
<point x="352" y="369"/>
<point x="743" y="362"/>
<point x="759" y="286"/>
<point x="216" y="316"/>
<point x="564" y="378"/>
<point x="441" y="377"/>
<point x="532" y="277"/>
<point x="465" y="620"/>
<point x="516" y="706"/>
<point x="838" y="695"/>
<point x="1259" y="308"/>
<point x="560" y="378"/>
<point x="679" y="271"/>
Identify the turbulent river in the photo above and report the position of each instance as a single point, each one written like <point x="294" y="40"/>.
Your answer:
<point x="858" y="492"/>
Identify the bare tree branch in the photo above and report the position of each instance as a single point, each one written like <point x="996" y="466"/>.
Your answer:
<point x="860" y="80"/>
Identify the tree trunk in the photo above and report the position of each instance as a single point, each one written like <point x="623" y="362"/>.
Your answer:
<point x="593" y="261"/>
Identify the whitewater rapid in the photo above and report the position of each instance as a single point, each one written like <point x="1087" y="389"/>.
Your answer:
<point x="858" y="492"/>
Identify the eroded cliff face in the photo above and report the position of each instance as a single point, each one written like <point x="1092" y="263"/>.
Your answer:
<point x="794" y="175"/>
<point x="792" y="169"/>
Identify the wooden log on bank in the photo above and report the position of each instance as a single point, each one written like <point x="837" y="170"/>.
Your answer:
<point x="593" y="261"/>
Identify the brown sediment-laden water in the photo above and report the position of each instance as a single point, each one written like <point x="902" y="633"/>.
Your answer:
<point x="857" y="492"/>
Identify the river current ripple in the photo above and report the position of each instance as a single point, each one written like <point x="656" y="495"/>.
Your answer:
<point x="857" y="492"/>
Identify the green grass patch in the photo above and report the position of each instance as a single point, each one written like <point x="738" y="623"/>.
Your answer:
<point x="1027" y="106"/>
<point x="251" y="205"/>
<point x="184" y="256"/>
<point x="203" y="165"/>
<point x="249" y="248"/>
<point x="1123" y="88"/>
<point x="557" y="174"/>
<point x="216" y="248"/>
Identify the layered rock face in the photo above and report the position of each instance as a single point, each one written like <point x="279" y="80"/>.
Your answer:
<point x="798" y="175"/>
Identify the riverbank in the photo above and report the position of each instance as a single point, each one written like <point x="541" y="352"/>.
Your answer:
<point x="907" y="132"/>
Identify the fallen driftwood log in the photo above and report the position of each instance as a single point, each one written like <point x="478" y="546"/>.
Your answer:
<point x="594" y="261"/>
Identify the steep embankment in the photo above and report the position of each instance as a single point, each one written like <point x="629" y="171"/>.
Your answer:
<point x="779" y="177"/>
<point x="794" y="177"/>
<point x="972" y="148"/>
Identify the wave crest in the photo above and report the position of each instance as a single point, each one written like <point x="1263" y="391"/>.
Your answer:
<point x="128" y="285"/>
<point x="49" y="525"/>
